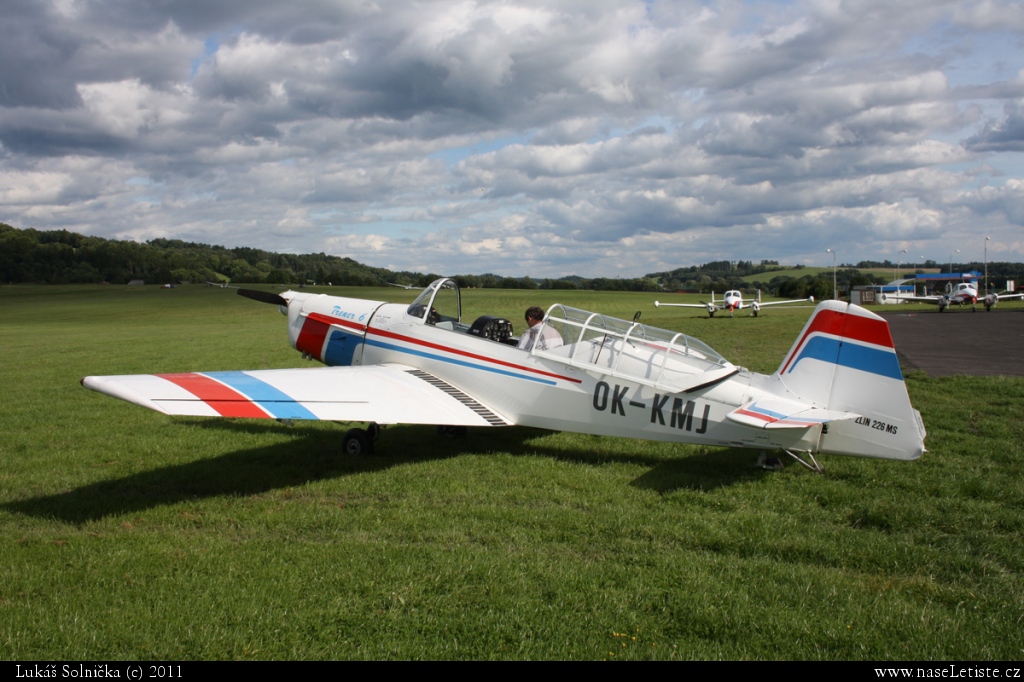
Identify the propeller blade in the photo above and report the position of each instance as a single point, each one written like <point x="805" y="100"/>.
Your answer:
<point x="263" y="296"/>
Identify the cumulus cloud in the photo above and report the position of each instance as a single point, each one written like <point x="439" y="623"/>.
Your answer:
<point x="591" y="138"/>
<point x="1006" y="135"/>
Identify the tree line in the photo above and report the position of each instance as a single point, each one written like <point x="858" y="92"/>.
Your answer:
<point x="64" y="257"/>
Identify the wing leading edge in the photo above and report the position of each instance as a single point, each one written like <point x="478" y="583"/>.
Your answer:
<point x="385" y="394"/>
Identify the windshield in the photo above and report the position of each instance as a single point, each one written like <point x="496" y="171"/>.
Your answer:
<point x="439" y="302"/>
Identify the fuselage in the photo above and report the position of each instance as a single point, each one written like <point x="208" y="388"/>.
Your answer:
<point x="733" y="300"/>
<point x="630" y="381"/>
<point x="964" y="293"/>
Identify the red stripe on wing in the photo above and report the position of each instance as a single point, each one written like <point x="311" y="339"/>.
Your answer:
<point x="225" y="400"/>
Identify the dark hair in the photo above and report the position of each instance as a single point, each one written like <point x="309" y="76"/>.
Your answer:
<point x="535" y="313"/>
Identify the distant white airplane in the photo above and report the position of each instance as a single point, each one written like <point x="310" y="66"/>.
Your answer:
<point x="839" y="390"/>
<point x="733" y="301"/>
<point x="962" y="293"/>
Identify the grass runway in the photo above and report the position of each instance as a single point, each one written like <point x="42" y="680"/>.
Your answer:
<point x="130" y="535"/>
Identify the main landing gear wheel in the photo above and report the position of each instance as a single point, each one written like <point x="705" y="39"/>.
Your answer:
<point x="360" y="442"/>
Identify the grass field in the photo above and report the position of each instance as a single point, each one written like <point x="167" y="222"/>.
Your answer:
<point x="130" y="535"/>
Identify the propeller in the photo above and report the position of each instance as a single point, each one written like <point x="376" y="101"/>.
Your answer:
<point x="264" y="296"/>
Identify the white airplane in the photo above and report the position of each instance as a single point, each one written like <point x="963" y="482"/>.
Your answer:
<point x="733" y="301"/>
<point x="962" y="293"/>
<point x="839" y="390"/>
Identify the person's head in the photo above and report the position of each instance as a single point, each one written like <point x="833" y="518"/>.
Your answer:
<point x="534" y="314"/>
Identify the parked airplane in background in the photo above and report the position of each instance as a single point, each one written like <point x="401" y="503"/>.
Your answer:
<point x="733" y="301"/>
<point x="962" y="293"/>
<point x="839" y="390"/>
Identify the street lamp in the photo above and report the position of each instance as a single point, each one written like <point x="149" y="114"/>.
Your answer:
<point x="951" y="261"/>
<point x="833" y="272"/>
<point x="986" y="264"/>
<point x="898" y="265"/>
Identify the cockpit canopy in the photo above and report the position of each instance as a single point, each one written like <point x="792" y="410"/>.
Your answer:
<point x="612" y="347"/>
<point x="637" y="352"/>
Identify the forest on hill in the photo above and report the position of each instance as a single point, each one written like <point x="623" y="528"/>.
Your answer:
<point x="64" y="257"/>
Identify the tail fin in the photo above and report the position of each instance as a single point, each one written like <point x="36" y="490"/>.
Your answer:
<point x="845" y="360"/>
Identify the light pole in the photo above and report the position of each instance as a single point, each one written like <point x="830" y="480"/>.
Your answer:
<point x="986" y="264"/>
<point x="833" y="272"/>
<point x="951" y="261"/>
<point x="896" y="281"/>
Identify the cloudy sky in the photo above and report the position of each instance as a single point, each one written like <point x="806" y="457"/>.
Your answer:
<point x="589" y="137"/>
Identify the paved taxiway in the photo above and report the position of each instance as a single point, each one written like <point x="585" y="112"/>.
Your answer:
<point x="958" y="341"/>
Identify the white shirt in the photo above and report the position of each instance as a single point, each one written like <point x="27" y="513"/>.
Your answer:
<point x="544" y="336"/>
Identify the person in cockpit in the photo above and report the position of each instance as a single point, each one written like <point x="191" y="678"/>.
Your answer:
<point x="543" y="336"/>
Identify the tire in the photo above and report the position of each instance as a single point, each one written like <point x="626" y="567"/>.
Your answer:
<point x="356" y="442"/>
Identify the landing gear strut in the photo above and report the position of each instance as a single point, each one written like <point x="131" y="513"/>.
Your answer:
<point x="773" y="463"/>
<point x="812" y="465"/>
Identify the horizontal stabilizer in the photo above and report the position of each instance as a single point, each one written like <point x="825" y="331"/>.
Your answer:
<point x="784" y="414"/>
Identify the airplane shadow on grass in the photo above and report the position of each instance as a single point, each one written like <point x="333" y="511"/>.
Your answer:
<point x="313" y="455"/>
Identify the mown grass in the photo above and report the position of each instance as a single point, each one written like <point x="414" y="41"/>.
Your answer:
<point x="127" y="534"/>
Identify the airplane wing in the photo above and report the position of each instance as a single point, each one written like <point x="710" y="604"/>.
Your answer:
<point x="1009" y="297"/>
<point x="912" y="299"/>
<point x="991" y="300"/>
<point x="385" y="394"/>
<point x="784" y="414"/>
<point x="809" y="299"/>
<point x="702" y="306"/>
